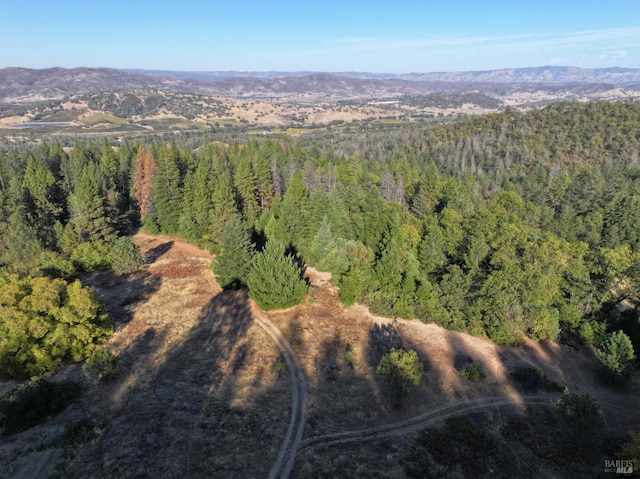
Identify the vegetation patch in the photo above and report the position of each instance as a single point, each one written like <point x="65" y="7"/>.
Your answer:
<point x="65" y="115"/>
<point x="402" y="372"/>
<point x="102" y="365"/>
<point x="459" y="444"/>
<point x="33" y="402"/>
<point x="98" y="118"/>
<point x="617" y="357"/>
<point x="45" y="321"/>
<point x="530" y="379"/>
<point x="473" y="372"/>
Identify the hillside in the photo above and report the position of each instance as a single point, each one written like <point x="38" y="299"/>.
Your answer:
<point x="205" y="393"/>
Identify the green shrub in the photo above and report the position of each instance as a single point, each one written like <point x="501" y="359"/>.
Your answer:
<point x="44" y="322"/>
<point x="32" y="402"/>
<point x="592" y="332"/>
<point x="581" y="426"/>
<point x="78" y="432"/>
<point x="402" y="371"/>
<point x="92" y="256"/>
<point x="348" y="356"/>
<point x="473" y="372"/>
<point x="616" y="356"/>
<point x="126" y="257"/>
<point x="278" y="367"/>
<point x="101" y="365"/>
<point x="630" y="450"/>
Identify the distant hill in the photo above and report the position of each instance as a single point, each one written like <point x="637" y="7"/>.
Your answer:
<point x="545" y="74"/>
<point x="22" y="85"/>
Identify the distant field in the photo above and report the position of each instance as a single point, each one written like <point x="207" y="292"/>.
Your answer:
<point x="65" y="115"/>
<point x="103" y="118"/>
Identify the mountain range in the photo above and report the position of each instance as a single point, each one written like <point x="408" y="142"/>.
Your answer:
<point x="546" y="74"/>
<point x="22" y="85"/>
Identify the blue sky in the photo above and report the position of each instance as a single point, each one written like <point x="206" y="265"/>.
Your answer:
<point x="375" y="36"/>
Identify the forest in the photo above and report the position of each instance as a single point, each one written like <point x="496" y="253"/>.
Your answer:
<point x="509" y="226"/>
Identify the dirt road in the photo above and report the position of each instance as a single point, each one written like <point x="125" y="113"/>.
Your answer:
<point x="423" y="420"/>
<point x="291" y="443"/>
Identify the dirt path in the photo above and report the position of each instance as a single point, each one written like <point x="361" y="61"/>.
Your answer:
<point x="293" y="438"/>
<point x="422" y="420"/>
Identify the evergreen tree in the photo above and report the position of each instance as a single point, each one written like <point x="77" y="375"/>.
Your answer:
<point x="358" y="259"/>
<point x="223" y="209"/>
<point x="275" y="280"/>
<point x="246" y="182"/>
<point x="167" y="189"/>
<point x="233" y="262"/>
<point x="126" y="256"/>
<point x="200" y="201"/>
<point x="427" y="193"/>
<point x="43" y="200"/>
<point x="325" y="250"/>
<point x="21" y="243"/>
<point x="402" y="371"/>
<point x="89" y="214"/>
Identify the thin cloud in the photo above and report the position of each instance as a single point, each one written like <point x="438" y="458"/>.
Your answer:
<point x="449" y="53"/>
<point x="629" y="36"/>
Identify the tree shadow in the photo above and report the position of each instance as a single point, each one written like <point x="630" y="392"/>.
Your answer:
<point x="153" y="254"/>
<point x="195" y="399"/>
<point x="121" y="294"/>
<point x="382" y="339"/>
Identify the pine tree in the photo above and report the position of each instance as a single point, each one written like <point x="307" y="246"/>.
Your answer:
<point x="324" y="248"/>
<point x="246" y="182"/>
<point x="233" y="263"/>
<point x="21" y="242"/>
<point x="167" y="189"/>
<point x="89" y="214"/>
<point x="126" y="256"/>
<point x="275" y="280"/>
<point x="223" y="209"/>
<point x="197" y="204"/>
<point x="427" y="193"/>
<point x="262" y="171"/>
<point x="43" y="199"/>
<point x="143" y="180"/>
<point x="616" y="356"/>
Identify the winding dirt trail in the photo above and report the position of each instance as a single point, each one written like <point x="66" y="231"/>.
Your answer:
<point x="288" y="450"/>
<point x="423" y="420"/>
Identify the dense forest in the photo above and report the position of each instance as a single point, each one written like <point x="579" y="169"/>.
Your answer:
<point x="510" y="226"/>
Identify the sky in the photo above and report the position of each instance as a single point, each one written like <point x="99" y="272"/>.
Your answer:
<point x="392" y="36"/>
